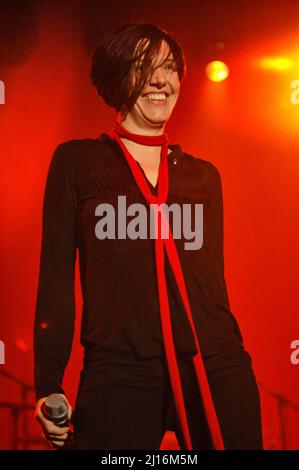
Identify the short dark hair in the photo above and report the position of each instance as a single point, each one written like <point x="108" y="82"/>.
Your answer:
<point x="113" y="59"/>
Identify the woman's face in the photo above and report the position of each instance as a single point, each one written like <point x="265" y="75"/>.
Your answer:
<point x="157" y="100"/>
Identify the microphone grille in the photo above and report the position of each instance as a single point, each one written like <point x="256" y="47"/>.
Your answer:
<point x="55" y="405"/>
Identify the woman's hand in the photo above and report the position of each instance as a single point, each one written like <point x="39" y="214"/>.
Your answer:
<point x="56" y="435"/>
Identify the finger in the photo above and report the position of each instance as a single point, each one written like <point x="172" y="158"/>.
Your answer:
<point x="50" y="428"/>
<point x="40" y="417"/>
<point x="44" y="421"/>
<point x="57" y="443"/>
<point x="54" y="441"/>
<point x="63" y="437"/>
<point x="38" y="410"/>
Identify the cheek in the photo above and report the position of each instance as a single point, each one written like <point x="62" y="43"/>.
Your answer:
<point x="176" y="85"/>
<point x="176" y="91"/>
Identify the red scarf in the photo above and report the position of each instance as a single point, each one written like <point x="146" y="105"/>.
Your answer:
<point x="116" y="133"/>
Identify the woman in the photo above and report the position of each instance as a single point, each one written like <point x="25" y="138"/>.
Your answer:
<point x="162" y="348"/>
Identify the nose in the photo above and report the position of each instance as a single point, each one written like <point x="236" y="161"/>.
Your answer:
<point x="158" y="77"/>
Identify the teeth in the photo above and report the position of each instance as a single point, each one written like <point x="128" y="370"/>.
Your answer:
<point x="156" y="96"/>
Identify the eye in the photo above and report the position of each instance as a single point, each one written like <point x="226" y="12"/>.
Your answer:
<point x="170" y="66"/>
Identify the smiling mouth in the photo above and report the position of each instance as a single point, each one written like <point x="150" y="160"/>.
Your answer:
<point x="156" y="98"/>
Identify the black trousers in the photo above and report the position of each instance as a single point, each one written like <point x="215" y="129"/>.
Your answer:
<point x="127" y="404"/>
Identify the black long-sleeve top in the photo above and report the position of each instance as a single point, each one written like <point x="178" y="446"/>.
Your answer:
<point x="118" y="277"/>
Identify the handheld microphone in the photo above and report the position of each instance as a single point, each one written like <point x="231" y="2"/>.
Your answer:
<point x="55" y="409"/>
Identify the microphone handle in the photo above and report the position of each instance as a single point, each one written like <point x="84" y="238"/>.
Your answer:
<point x="69" y="443"/>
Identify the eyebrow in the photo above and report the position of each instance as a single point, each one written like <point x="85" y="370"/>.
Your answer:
<point x="168" y="59"/>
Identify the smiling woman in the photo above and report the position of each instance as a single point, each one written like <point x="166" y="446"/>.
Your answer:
<point x="158" y="98"/>
<point x="124" y="60"/>
<point x="162" y="350"/>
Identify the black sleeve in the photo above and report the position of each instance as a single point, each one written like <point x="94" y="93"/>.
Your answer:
<point x="55" y="302"/>
<point x="217" y="225"/>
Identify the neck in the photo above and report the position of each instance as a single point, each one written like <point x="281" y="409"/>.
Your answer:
<point x="140" y="128"/>
<point x="150" y="143"/>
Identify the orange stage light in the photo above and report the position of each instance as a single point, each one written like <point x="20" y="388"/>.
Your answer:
<point x="217" y="71"/>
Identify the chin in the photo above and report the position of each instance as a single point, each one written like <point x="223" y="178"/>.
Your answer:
<point x="156" y="122"/>
<point x="157" y="119"/>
